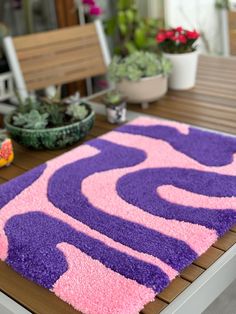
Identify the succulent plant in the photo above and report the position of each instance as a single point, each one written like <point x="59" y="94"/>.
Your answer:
<point x="113" y="98"/>
<point x="55" y="114"/>
<point x="29" y="104"/>
<point x="42" y="113"/>
<point x="77" y="111"/>
<point x="138" y="65"/>
<point x="31" y="120"/>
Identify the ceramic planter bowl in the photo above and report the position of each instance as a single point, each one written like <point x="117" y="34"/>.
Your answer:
<point x="146" y="90"/>
<point x="51" y="138"/>
<point x="184" y="71"/>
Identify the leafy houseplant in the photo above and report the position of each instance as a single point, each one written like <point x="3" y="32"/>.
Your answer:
<point x="49" y="123"/>
<point x="141" y="77"/>
<point x="115" y="107"/>
<point x="131" y="31"/>
<point x="179" y="45"/>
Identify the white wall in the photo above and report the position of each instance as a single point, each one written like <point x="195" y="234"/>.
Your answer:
<point x="199" y="14"/>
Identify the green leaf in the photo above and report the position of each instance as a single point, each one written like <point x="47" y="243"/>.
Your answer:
<point x="31" y="120"/>
<point x="123" y="29"/>
<point x="140" y="37"/>
<point x="125" y="4"/>
<point x="77" y="112"/>
<point x="130" y="16"/>
<point x="130" y="46"/>
<point x="121" y="17"/>
<point x="110" y="26"/>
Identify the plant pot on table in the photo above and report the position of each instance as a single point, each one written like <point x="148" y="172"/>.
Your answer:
<point x="145" y="90"/>
<point x="184" y="70"/>
<point x="116" y="113"/>
<point x="51" y="138"/>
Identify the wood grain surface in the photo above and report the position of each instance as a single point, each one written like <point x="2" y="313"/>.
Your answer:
<point x="59" y="56"/>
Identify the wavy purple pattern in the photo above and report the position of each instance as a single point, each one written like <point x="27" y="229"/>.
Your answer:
<point x="11" y="189"/>
<point x="46" y="232"/>
<point x="50" y="220"/>
<point x="112" y="156"/>
<point x="144" y="183"/>
<point x="208" y="148"/>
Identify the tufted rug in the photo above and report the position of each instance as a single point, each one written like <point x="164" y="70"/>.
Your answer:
<point x="109" y="224"/>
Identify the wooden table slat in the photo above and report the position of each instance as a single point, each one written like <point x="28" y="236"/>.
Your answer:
<point x="177" y="286"/>
<point x="233" y="229"/>
<point x="31" y="296"/>
<point x="192" y="272"/>
<point x="10" y="172"/>
<point x="154" y="307"/>
<point x="208" y="258"/>
<point x="226" y="242"/>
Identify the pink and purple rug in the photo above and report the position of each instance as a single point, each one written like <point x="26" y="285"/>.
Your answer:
<point x="109" y="224"/>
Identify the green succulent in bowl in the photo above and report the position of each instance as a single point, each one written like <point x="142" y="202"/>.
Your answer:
<point x="49" y="123"/>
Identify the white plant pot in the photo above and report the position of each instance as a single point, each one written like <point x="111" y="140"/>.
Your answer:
<point x="146" y="90"/>
<point x="116" y="114"/>
<point x="184" y="72"/>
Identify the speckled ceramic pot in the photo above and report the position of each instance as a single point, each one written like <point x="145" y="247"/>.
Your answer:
<point x="51" y="138"/>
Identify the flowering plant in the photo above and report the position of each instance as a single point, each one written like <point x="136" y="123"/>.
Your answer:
<point x="177" y="40"/>
<point x="92" y="7"/>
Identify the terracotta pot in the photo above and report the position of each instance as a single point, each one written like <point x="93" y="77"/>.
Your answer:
<point x="184" y="71"/>
<point x="146" y="90"/>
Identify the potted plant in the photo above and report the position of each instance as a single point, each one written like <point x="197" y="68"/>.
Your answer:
<point x="115" y="107"/>
<point x="130" y="30"/>
<point x="179" y="47"/>
<point x="141" y="77"/>
<point x="49" y="122"/>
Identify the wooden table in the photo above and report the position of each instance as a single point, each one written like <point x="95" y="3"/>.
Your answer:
<point x="211" y="104"/>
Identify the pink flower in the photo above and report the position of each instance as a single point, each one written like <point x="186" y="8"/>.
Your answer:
<point x="160" y="37"/>
<point x="174" y="38"/>
<point x="169" y="34"/>
<point x="95" y="10"/>
<point x="179" y="29"/>
<point x="192" y="35"/>
<point x="89" y="2"/>
<point x="182" y="39"/>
